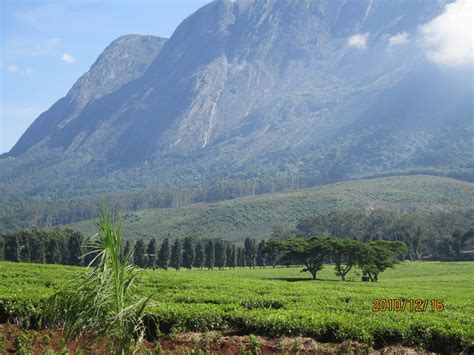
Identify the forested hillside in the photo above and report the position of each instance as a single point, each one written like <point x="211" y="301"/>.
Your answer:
<point x="254" y="216"/>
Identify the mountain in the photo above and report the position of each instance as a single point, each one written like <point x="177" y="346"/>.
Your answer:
<point x="254" y="89"/>
<point x="123" y="61"/>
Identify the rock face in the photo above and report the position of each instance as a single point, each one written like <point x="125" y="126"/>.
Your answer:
<point x="123" y="61"/>
<point x="284" y="85"/>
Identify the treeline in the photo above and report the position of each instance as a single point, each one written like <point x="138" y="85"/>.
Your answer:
<point x="69" y="247"/>
<point x="22" y="213"/>
<point x="200" y="254"/>
<point x="430" y="233"/>
<point x="58" y="246"/>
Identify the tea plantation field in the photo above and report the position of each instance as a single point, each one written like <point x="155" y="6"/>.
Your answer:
<point x="282" y="301"/>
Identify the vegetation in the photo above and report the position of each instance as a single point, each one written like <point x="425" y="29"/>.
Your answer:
<point x="57" y="246"/>
<point x="101" y="302"/>
<point x="372" y="258"/>
<point x="154" y="212"/>
<point x="278" y="301"/>
<point x="27" y="245"/>
<point x="430" y="200"/>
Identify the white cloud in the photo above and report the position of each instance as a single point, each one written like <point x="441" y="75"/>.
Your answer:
<point x="358" y="41"/>
<point x="398" y="39"/>
<point x="68" y="58"/>
<point x="449" y="39"/>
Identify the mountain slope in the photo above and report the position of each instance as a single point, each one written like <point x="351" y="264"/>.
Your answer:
<point x="254" y="216"/>
<point x="247" y="89"/>
<point x="123" y="61"/>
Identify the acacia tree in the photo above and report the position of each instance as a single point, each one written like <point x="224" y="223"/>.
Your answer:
<point x="380" y="255"/>
<point x="346" y="253"/>
<point x="311" y="252"/>
<point x="188" y="253"/>
<point x="200" y="256"/>
<point x="273" y="255"/>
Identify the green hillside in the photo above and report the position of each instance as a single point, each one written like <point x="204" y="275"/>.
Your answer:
<point x="255" y="216"/>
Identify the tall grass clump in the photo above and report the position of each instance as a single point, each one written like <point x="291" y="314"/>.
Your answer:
<point x="102" y="302"/>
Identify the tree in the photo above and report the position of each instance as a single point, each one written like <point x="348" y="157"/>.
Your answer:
<point x="250" y="252"/>
<point x="188" y="253"/>
<point x="311" y="252"/>
<point x="200" y="257"/>
<point x="25" y="250"/>
<point x="228" y="255"/>
<point x="380" y="255"/>
<point x="233" y="257"/>
<point x="139" y="253"/>
<point x="261" y="254"/>
<point x="272" y="255"/>
<point x="177" y="255"/>
<point x="210" y="254"/>
<point x="164" y="256"/>
<point x="53" y="254"/>
<point x="12" y="248"/>
<point x="220" y="253"/>
<point x="241" y="257"/>
<point x="74" y="246"/>
<point x="38" y="252"/>
<point x="151" y="253"/>
<point x="62" y="237"/>
<point x="346" y="253"/>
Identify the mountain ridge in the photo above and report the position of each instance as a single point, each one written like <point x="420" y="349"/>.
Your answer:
<point x="252" y="89"/>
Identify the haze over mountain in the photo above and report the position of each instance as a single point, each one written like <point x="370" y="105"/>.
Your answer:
<point x="243" y="89"/>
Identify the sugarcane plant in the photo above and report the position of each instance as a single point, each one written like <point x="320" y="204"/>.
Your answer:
<point x="102" y="301"/>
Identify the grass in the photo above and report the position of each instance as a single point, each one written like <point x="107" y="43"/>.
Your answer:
<point x="283" y="301"/>
<point x="253" y="216"/>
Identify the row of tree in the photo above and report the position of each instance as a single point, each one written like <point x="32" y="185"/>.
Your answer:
<point x="189" y="253"/>
<point x="57" y="246"/>
<point x="372" y="257"/>
<point x="68" y="247"/>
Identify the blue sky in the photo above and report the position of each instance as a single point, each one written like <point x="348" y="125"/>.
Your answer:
<point x="47" y="45"/>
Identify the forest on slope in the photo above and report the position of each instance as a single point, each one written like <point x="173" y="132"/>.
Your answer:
<point x="254" y="216"/>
